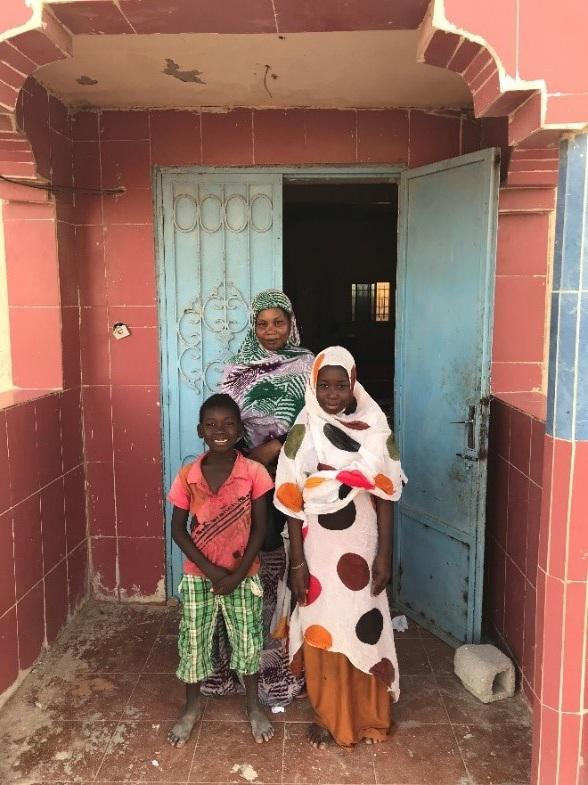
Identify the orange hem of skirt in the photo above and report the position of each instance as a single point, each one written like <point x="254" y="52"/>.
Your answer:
<point x="350" y="704"/>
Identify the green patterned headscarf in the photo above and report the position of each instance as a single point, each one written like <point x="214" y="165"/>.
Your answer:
<point x="268" y="386"/>
<point x="251" y="349"/>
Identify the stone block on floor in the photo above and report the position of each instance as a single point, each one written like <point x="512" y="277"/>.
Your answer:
<point x="485" y="672"/>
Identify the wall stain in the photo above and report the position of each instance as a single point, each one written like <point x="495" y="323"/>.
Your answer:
<point x="173" y="69"/>
<point x="86" y="80"/>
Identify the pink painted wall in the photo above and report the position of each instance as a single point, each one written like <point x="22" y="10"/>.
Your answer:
<point x="520" y="300"/>
<point x="14" y="14"/>
<point x="536" y="40"/>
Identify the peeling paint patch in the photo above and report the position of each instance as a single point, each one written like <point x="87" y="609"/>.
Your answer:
<point x="135" y="593"/>
<point x="86" y="80"/>
<point x="101" y="591"/>
<point x="173" y="69"/>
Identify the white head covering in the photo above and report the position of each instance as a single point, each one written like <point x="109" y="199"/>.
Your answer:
<point x="329" y="458"/>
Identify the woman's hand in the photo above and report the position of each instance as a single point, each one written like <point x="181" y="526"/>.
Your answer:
<point x="299" y="583"/>
<point x="381" y="573"/>
<point x="266" y="453"/>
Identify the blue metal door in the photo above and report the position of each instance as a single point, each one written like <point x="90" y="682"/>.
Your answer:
<point x="445" y="289"/>
<point x="220" y="242"/>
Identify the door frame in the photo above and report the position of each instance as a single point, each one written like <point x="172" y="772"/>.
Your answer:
<point x="361" y="174"/>
<point x="366" y="173"/>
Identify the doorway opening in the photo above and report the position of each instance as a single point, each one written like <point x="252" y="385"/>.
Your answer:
<point x="339" y="256"/>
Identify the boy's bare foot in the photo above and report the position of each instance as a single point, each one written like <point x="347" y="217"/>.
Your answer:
<point x="261" y="727"/>
<point x="182" y="730"/>
<point x="368" y="740"/>
<point x="318" y="736"/>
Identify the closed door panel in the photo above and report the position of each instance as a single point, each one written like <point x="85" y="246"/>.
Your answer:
<point x="220" y="244"/>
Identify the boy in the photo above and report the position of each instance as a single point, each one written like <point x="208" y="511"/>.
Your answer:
<point x="225" y="493"/>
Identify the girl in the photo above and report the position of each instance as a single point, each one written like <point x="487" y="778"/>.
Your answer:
<point x="337" y="477"/>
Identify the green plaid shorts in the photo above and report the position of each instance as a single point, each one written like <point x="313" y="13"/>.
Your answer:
<point x="242" y="614"/>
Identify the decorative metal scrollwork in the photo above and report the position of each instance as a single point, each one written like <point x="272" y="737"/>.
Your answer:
<point x="179" y="201"/>
<point x="189" y="329"/>
<point x="190" y="323"/>
<point x="190" y="368"/>
<point x="243" y="208"/>
<point x="225" y="313"/>
<point x="235" y="212"/>
<point x="213" y="374"/>
<point x="211" y="228"/>
<point x="220" y="226"/>
<point x="270" y="214"/>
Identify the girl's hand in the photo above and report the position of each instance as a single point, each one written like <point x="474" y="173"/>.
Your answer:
<point x="381" y="573"/>
<point x="299" y="583"/>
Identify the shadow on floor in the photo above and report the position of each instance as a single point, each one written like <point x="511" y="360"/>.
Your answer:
<point x="98" y="707"/>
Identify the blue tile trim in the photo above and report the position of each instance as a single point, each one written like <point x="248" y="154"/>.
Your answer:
<point x="566" y="365"/>
<point x="567" y="394"/>
<point x="559" y="214"/>
<point x="574" y="213"/>
<point x="582" y="383"/>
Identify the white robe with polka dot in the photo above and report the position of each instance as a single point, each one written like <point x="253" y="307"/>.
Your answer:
<point x="329" y="471"/>
<point x="341" y="614"/>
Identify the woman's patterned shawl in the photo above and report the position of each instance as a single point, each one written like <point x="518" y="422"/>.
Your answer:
<point x="268" y="386"/>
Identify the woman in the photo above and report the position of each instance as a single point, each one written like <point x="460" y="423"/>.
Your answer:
<point x="337" y="477"/>
<point x="267" y="378"/>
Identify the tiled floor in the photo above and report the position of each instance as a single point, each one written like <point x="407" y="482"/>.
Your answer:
<point x="98" y="708"/>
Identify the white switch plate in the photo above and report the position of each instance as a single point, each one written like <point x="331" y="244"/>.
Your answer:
<point x="120" y="331"/>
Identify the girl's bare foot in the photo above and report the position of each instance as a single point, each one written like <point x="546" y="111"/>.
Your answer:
<point x="182" y="730"/>
<point x="261" y="727"/>
<point x="318" y="736"/>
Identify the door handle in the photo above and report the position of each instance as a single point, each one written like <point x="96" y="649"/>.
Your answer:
<point x="470" y="426"/>
<point x="471" y="458"/>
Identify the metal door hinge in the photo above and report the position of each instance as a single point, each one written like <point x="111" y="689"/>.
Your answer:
<point x="472" y="458"/>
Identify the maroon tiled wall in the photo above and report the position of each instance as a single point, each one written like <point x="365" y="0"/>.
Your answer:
<point x="114" y="241"/>
<point x="105" y="253"/>
<point x="43" y="543"/>
<point x="515" y="466"/>
<point x="43" y="538"/>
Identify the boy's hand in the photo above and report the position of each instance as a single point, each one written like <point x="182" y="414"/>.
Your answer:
<point x="216" y="573"/>
<point x="299" y="583"/>
<point x="227" y="584"/>
<point x="381" y="573"/>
